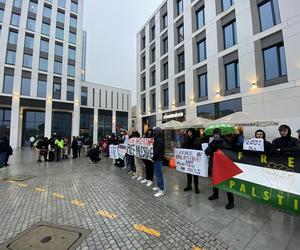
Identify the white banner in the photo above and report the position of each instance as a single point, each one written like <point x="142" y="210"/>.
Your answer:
<point x="141" y="148"/>
<point x="113" y="152"/>
<point x="131" y="146"/>
<point x="122" y="149"/>
<point x="191" y="161"/>
<point x="254" y="144"/>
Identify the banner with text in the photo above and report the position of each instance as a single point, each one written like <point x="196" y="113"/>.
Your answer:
<point x="191" y="161"/>
<point x="113" y="152"/>
<point x="271" y="179"/>
<point x="141" y="147"/>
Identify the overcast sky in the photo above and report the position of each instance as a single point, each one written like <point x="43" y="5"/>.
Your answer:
<point x="111" y="27"/>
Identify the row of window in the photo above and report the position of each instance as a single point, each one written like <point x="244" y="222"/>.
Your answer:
<point x="268" y="12"/>
<point x="274" y="67"/>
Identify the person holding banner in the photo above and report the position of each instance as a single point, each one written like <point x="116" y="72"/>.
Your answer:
<point x="260" y="134"/>
<point x="192" y="141"/>
<point x="138" y="163"/>
<point x="148" y="164"/>
<point x="216" y="142"/>
<point x="158" y="157"/>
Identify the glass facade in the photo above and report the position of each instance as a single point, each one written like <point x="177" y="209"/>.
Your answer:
<point x="166" y="98"/>
<point x="59" y="127"/>
<point x="33" y="125"/>
<point x="121" y="121"/>
<point x="179" y="6"/>
<point x="180" y="33"/>
<point x="230" y="37"/>
<point x="201" y="48"/>
<point x="232" y="75"/>
<point x="42" y="89"/>
<point x="181" y="62"/>
<point x="269" y="14"/>
<point x="56" y="91"/>
<point x="25" y="86"/>
<point x="181" y="93"/>
<point x="5" y="116"/>
<point x="202" y="85"/>
<point x="30" y="24"/>
<point x="8" y="84"/>
<point x="84" y="96"/>
<point x="226" y="4"/>
<point x="86" y="123"/>
<point x="11" y="57"/>
<point x="200" y="18"/>
<point x="104" y="123"/>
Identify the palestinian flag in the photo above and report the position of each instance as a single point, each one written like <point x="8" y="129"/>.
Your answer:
<point x="272" y="179"/>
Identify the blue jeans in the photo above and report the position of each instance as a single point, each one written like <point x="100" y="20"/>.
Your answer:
<point x="158" y="174"/>
<point x="3" y="156"/>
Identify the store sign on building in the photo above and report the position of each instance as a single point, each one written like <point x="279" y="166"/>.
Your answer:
<point x="178" y="115"/>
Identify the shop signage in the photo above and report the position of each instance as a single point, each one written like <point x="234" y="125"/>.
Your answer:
<point x="176" y="115"/>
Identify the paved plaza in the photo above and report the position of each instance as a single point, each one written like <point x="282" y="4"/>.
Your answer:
<point x="123" y="214"/>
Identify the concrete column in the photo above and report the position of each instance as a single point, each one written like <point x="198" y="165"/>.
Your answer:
<point x="14" y="122"/>
<point x="114" y="120"/>
<point x="76" y="120"/>
<point x="95" y="127"/>
<point x="48" y="119"/>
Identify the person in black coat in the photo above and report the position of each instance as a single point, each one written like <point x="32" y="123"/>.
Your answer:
<point x="260" y="134"/>
<point x="192" y="141"/>
<point x="217" y="142"/>
<point x="286" y="143"/>
<point x="5" y="151"/>
<point x="148" y="164"/>
<point x="74" y="147"/>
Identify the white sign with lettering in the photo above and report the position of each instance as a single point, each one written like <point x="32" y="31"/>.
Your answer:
<point x="254" y="144"/>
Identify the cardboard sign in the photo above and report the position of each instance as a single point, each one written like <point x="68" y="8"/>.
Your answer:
<point x="122" y="149"/>
<point x="113" y="152"/>
<point x="191" y="161"/>
<point x="131" y="146"/>
<point x="144" y="148"/>
<point x="254" y="144"/>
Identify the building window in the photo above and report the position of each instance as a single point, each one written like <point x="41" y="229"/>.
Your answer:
<point x="143" y="42"/>
<point x="5" y="115"/>
<point x="153" y="55"/>
<point x="202" y="85"/>
<point x="166" y="98"/>
<point x="10" y="57"/>
<point x="56" y="90"/>
<point x="230" y="37"/>
<point x="143" y="105"/>
<point x="42" y="89"/>
<point x="1" y="15"/>
<point x="62" y="3"/>
<point x="13" y="37"/>
<point x="43" y="64"/>
<point x="18" y="3"/>
<point x="112" y="100"/>
<point x="72" y="38"/>
<point x="59" y="34"/>
<point x="201" y="47"/>
<point x="30" y="24"/>
<point x="44" y="46"/>
<point x="58" y="50"/>
<point x="46" y="29"/>
<point x="70" y="90"/>
<point x="232" y="75"/>
<point x="226" y="4"/>
<point x="143" y="62"/>
<point x="57" y="67"/>
<point x="179" y="7"/>
<point x="143" y="83"/>
<point x="181" y="62"/>
<point x="15" y="19"/>
<point x="200" y="18"/>
<point x="47" y="12"/>
<point x="32" y="7"/>
<point x="72" y="53"/>
<point x="73" y="22"/>
<point x="269" y="14"/>
<point x="180" y="33"/>
<point x="84" y="96"/>
<point x="274" y="62"/>
<point x="25" y="86"/>
<point x="165" y="45"/>
<point x="153" y="78"/>
<point x="74" y="7"/>
<point x="27" y="61"/>
<point x="153" y="102"/>
<point x="165" y="21"/>
<point x="60" y="17"/>
<point x="71" y="70"/>
<point x="29" y="40"/>
<point x="165" y="71"/>
<point x="181" y="93"/>
<point x="8" y="84"/>
<point x="152" y="33"/>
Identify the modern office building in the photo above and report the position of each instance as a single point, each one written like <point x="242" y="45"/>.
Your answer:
<point x="210" y="58"/>
<point x="41" y="92"/>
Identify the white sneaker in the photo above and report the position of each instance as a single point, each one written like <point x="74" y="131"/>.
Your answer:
<point x="155" y="189"/>
<point x="134" y="177"/>
<point x="140" y="178"/>
<point x="130" y="172"/>
<point x="160" y="193"/>
<point x="149" y="183"/>
<point x="144" y="181"/>
<point x="124" y="168"/>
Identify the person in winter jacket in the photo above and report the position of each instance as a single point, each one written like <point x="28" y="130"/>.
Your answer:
<point x="260" y="134"/>
<point x="148" y="165"/>
<point x="4" y="150"/>
<point x="216" y="143"/>
<point x="286" y="143"/>
<point x="158" y="157"/>
<point x="192" y="141"/>
<point x="74" y="147"/>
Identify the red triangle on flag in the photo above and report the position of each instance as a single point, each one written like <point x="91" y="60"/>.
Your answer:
<point x="223" y="168"/>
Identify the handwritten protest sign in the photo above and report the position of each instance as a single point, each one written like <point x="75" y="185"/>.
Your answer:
<point x="113" y="152"/>
<point x="131" y="146"/>
<point x="191" y="161"/>
<point x="144" y="148"/>
<point x="254" y="144"/>
<point x="122" y="149"/>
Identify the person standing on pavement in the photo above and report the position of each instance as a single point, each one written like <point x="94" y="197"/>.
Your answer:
<point x="192" y="141"/>
<point x="4" y="150"/>
<point x="158" y="157"/>
<point x="148" y="164"/>
<point x="286" y="143"/>
<point x="74" y="147"/>
<point x="59" y="145"/>
<point x="139" y="175"/>
<point x="217" y="142"/>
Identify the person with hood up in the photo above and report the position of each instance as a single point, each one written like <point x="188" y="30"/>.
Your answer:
<point x="260" y="134"/>
<point x="148" y="165"/>
<point x="192" y="141"/>
<point x="158" y="157"/>
<point x="298" y="132"/>
<point x="217" y="142"/>
<point x="286" y="143"/>
<point x="4" y="150"/>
